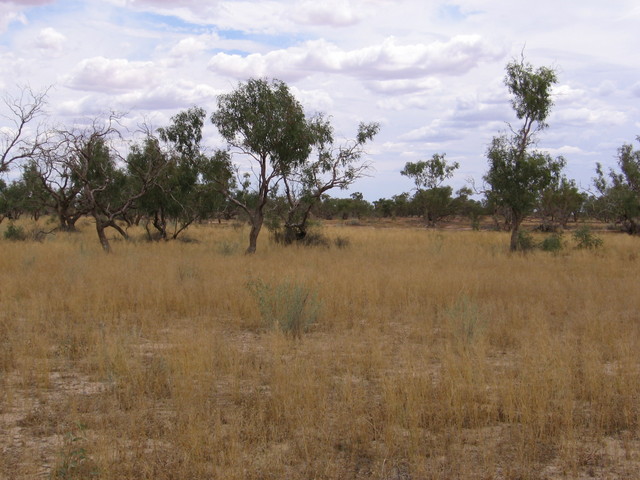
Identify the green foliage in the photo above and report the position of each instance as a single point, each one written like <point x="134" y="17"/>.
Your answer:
<point x="289" y="306"/>
<point x="74" y="461"/>
<point x="620" y="194"/>
<point x="552" y="243"/>
<point x="525" y="241"/>
<point x="517" y="175"/>
<point x="15" y="233"/>
<point x="429" y="174"/>
<point x="586" y="239"/>
<point x="262" y="118"/>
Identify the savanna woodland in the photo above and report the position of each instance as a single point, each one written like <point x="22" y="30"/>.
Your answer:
<point x="173" y="312"/>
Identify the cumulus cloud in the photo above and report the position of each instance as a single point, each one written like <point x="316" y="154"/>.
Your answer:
<point x="335" y="13"/>
<point x="565" y="150"/>
<point x="590" y="116"/>
<point x="173" y="95"/>
<point x="112" y="75"/>
<point x="386" y="61"/>
<point x="51" y="41"/>
<point x="403" y="86"/>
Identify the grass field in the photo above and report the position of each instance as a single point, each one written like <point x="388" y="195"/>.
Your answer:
<point x="435" y="354"/>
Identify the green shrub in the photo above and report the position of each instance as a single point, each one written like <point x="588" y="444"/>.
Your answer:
<point x="15" y="233"/>
<point x="585" y="239"/>
<point x="525" y="241"/>
<point x="553" y="243"/>
<point x="289" y="306"/>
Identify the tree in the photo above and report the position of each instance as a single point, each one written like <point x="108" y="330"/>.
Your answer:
<point x="559" y="202"/>
<point x="620" y="195"/>
<point x="51" y="179"/>
<point x="336" y="166"/>
<point x="263" y="121"/>
<point x="180" y="195"/>
<point x="22" y="110"/>
<point x="517" y="175"/>
<point x="428" y="174"/>
<point x="108" y="191"/>
<point x="432" y="199"/>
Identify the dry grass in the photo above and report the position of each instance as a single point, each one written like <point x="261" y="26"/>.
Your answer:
<point x="436" y="355"/>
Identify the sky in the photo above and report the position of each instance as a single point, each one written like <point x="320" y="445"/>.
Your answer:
<point x="430" y="72"/>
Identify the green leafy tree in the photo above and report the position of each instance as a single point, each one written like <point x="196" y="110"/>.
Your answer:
<point x="517" y="174"/>
<point x="620" y="194"/>
<point x="180" y="194"/>
<point x="335" y="167"/>
<point x="263" y="121"/>
<point x="560" y="201"/>
<point x="432" y="199"/>
<point x="428" y="174"/>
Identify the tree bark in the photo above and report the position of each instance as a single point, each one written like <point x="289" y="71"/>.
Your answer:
<point x="515" y="231"/>
<point x="256" y="226"/>
<point x="104" y="241"/>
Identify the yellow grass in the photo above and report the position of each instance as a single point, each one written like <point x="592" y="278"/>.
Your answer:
<point x="436" y="355"/>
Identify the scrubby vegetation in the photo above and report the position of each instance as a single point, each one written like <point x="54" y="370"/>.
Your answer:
<point x="426" y="354"/>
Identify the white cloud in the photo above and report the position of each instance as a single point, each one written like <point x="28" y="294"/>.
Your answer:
<point x="10" y="13"/>
<point x="333" y="12"/>
<point x="403" y="86"/>
<point x="113" y="75"/>
<point x="590" y="116"/>
<point x="386" y="61"/>
<point x="50" y="41"/>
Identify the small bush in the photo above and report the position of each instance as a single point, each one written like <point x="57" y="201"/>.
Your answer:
<point x="289" y="306"/>
<point x="294" y="236"/>
<point x="15" y="233"/>
<point x="585" y="239"/>
<point x="552" y="243"/>
<point x="341" y="242"/>
<point x="525" y="241"/>
<point x="467" y="320"/>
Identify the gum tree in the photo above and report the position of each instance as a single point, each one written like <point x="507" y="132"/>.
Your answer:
<point x="434" y="200"/>
<point x="517" y="173"/>
<point x="335" y="166"/>
<point x="263" y="121"/>
<point x="620" y="194"/>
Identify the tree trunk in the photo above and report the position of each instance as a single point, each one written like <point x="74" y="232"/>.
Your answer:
<point x="515" y="231"/>
<point x="256" y="225"/>
<point x="104" y="241"/>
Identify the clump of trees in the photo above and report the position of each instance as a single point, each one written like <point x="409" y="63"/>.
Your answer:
<point x="262" y="120"/>
<point x="279" y="166"/>
<point x="619" y="191"/>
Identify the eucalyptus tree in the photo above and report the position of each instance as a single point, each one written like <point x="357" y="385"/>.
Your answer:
<point x="336" y="166"/>
<point x="620" y="193"/>
<point x="108" y="191"/>
<point x="262" y="121"/>
<point x="433" y="199"/>
<point x="183" y="191"/>
<point x="517" y="174"/>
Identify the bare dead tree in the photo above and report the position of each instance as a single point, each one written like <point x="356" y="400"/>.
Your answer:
<point x="21" y="110"/>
